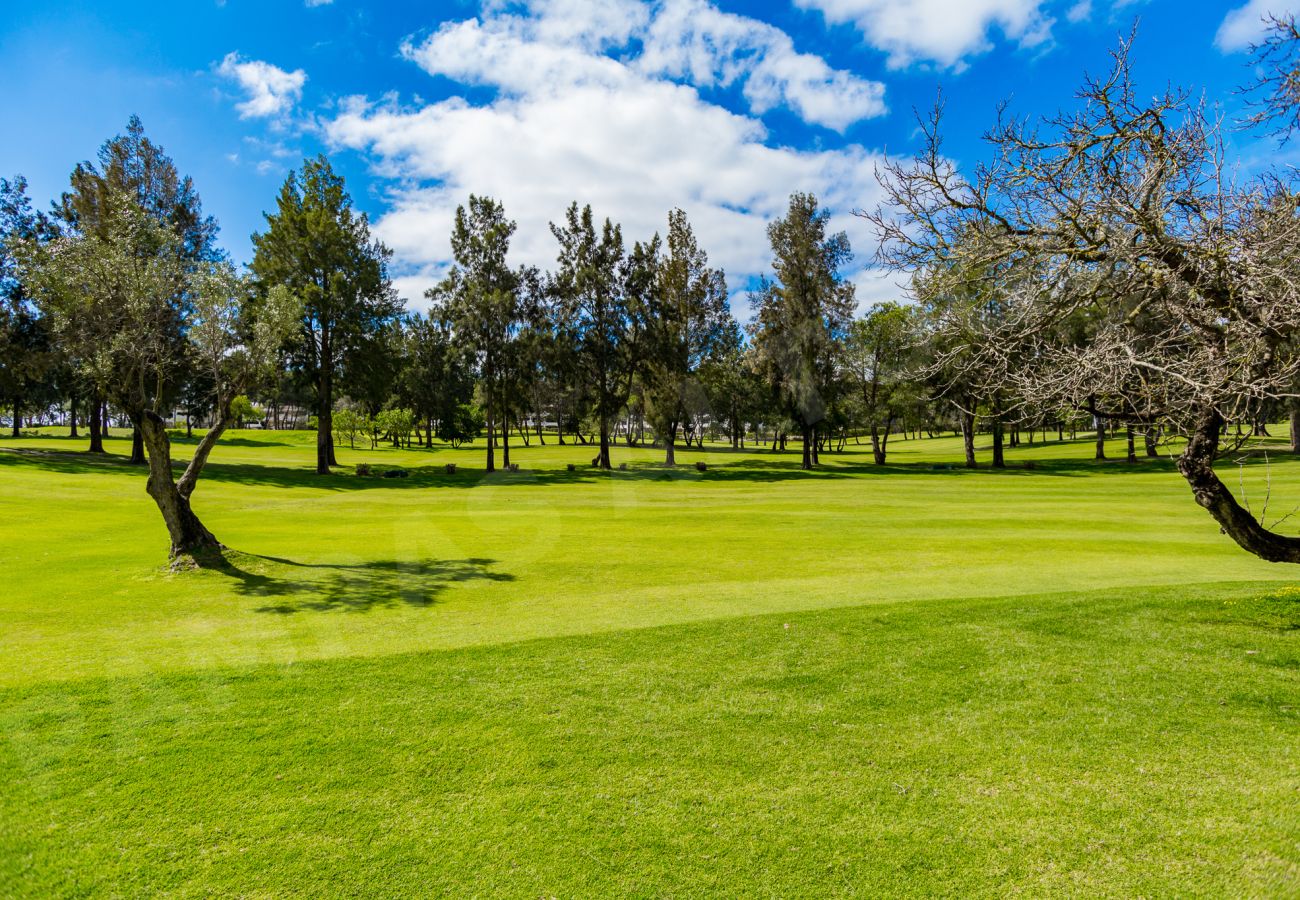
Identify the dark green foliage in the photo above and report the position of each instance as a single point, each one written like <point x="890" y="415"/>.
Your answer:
<point x="321" y="249"/>
<point x="687" y="325"/>
<point x="465" y="423"/>
<point x="487" y="306"/>
<point x="592" y="312"/>
<point x="803" y="314"/>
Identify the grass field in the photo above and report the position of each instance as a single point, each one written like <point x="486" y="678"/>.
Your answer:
<point x="748" y="681"/>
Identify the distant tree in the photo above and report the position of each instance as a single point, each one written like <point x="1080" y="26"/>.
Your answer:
<point x="803" y="314"/>
<point x="435" y="375"/>
<point x="347" y="423"/>
<point x="732" y="386"/>
<point x="375" y="368"/>
<point x="318" y="247"/>
<point x="877" y="355"/>
<point x="242" y="410"/>
<point x="26" y="357"/>
<point x="396" y="425"/>
<point x="486" y="304"/>
<point x="687" y="322"/>
<point x="592" y="309"/>
<point x="464" y="424"/>
<point x="125" y="299"/>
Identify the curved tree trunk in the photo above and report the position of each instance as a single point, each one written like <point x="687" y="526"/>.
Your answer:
<point x="189" y="537"/>
<point x="670" y="440"/>
<point x="877" y="445"/>
<point x="1196" y="464"/>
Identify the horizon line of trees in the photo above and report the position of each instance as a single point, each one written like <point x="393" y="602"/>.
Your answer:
<point x="1101" y="267"/>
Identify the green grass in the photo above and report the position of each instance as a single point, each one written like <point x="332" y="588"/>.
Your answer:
<point x="747" y="681"/>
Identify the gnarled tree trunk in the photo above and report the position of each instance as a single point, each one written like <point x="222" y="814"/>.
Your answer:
<point x="189" y="537"/>
<point x="1197" y="466"/>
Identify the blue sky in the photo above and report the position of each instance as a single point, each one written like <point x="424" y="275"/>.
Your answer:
<point x="722" y="108"/>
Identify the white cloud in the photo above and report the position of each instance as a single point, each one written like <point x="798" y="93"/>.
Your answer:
<point x="311" y="3"/>
<point x="1245" y="25"/>
<point x="502" y="54"/>
<point x="271" y="90"/>
<point x="633" y="153"/>
<point x="563" y="43"/>
<point x="694" y="40"/>
<point x="571" y="120"/>
<point x="940" y="31"/>
<point x="873" y="285"/>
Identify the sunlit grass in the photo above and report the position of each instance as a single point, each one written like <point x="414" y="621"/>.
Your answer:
<point x="750" y="680"/>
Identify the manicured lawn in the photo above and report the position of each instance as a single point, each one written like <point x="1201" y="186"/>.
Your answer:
<point x="748" y="681"/>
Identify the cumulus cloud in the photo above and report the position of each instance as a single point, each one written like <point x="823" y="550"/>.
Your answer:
<point x="561" y="43"/>
<point x="1246" y="24"/>
<point x="945" y="32"/>
<point x="633" y="153"/>
<point x="603" y="104"/>
<point x="694" y="40"/>
<point x="271" y="91"/>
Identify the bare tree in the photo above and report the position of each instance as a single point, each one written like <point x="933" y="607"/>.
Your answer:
<point x="1125" y="214"/>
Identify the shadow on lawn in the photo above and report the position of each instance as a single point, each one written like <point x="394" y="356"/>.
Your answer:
<point x="359" y="587"/>
<point x="766" y="468"/>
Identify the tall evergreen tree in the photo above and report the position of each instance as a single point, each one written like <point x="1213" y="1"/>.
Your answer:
<point x="588" y="287"/>
<point x="436" y="376"/>
<point x="687" y="323"/>
<point x="317" y="246"/>
<point x="26" y="359"/>
<point x="803" y="314"/>
<point x="486" y="304"/>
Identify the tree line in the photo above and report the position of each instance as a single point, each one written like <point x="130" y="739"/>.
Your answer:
<point x="1099" y="272"/>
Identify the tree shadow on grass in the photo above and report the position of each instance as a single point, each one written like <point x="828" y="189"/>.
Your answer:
<point x="357" y="587"/>
<point x="766" y="468"/>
